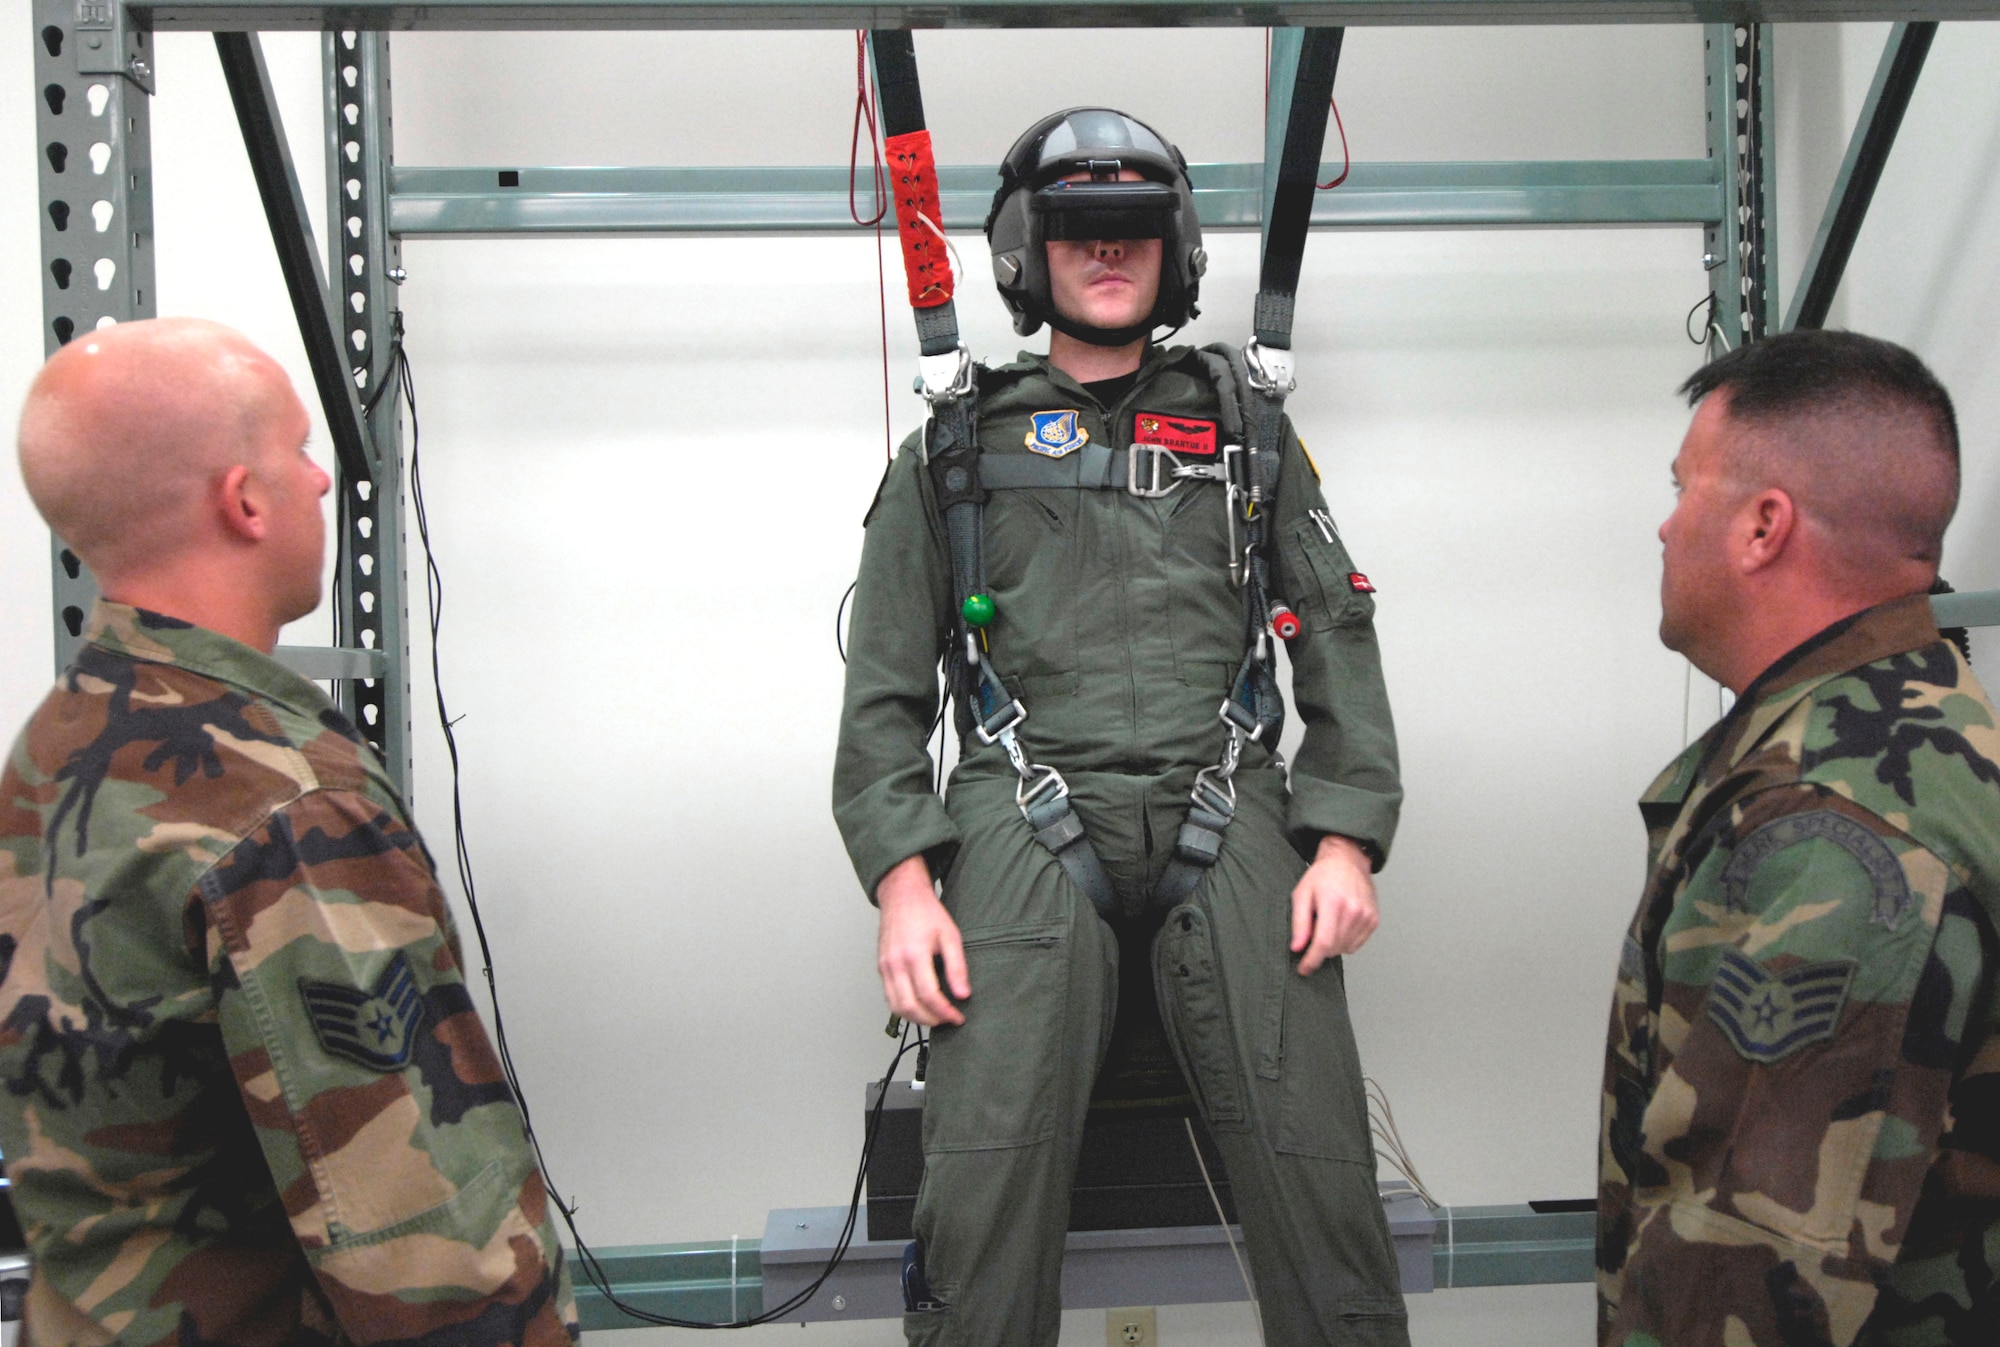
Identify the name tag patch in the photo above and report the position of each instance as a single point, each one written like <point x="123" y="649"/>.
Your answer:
<point x="1178" y="433"/>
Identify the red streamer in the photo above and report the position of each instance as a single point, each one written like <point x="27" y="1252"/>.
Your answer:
<point x="913" y="179"/>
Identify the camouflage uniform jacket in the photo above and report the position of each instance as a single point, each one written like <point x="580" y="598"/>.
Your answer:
<point x="246" y="1097"/>
<point x="1800" y="1142"/>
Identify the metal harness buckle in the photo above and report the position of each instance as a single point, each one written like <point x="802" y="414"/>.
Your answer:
<point x="1269" y="368"/>
<point x="1031" y="790"/>
<point x="1159" y="481"/>
<point x="944" y="378"/>
<point x="1214" y="792"/>
<point x="1001" y="723"/>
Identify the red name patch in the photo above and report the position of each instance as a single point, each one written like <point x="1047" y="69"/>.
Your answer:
<point x="1360" y="583"/>
<point x="1177" y="433"/>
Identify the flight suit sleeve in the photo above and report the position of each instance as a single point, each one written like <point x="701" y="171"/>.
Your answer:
<point x="883" y="799"/>
<point x="1816" y="978"/>
<point x="1345" y="777"/>
<point x="376" y="1096"/>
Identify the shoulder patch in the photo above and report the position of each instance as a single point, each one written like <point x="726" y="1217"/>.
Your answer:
<point x="1056" y="433"/>
<point x="374" y="1028"/>
<point x="1893" y="898"/>
<point x="1768" y="1016"/>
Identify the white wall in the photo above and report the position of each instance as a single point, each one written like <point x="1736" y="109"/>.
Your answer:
<point x="647" y="461"/>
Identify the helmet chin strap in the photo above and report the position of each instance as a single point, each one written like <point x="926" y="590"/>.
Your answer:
<point x="1105" y="336"/>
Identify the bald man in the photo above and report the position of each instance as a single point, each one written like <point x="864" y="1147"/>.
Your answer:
<point x="247" y="1098"/>
<point x="1801" y="1120"/>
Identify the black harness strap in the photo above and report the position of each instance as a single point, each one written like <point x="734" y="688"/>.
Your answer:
<point x="1253" y="384"/>
<point x="950" y="384"/>
<point x="1298" y="175"/>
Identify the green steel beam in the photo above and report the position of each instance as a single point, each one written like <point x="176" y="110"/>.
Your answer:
<point x="1860" y="171"/>
<point x="751" y="14"/>
<point x="461" y="201"/>
<point x="720" y="1280"/>
<point x="1974" y="608"/>
<point x="715" y="1282"/>
<point x="1513" y="1246"/>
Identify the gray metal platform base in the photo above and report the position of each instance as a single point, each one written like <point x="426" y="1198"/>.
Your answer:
<point x="1188" y="1265"/>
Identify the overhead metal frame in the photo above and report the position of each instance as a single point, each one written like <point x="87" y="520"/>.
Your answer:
<point x="435" y="15"/>
<point x="93" y="76"/>
<point x="94" y="161"/>
<point x="1860" y="170"/>
<point x="371" y="605"/>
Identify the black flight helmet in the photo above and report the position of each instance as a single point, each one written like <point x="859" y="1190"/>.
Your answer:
<point x="1034" y="206"/>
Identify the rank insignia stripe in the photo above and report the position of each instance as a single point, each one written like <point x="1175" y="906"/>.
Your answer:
<point x="1360" y="583"/>
<point x="374" y="1028"/>
<point x="1183" y="435"/>
<point x="1768" y="1016"/>
<point x="1056" y="433"/>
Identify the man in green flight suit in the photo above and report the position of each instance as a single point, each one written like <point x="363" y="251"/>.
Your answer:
<point x="1116" y="622"/>
<point x="1801" y="1115"/>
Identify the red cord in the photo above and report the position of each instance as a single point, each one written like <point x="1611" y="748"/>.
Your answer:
<point x="864" y="109"/>
<point x="1346" y="161"/>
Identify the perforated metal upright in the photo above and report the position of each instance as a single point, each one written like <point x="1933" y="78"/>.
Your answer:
<point x="371" y="589"/>
<point x="1742" y="249"/>
<point x="93" y="86"/>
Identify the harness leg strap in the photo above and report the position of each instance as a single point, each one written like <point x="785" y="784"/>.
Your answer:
<point x="1060" y="832"/>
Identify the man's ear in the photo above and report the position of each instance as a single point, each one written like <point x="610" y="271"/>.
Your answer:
<point x="1765" y="527"/>
<point x="237" y="505"/>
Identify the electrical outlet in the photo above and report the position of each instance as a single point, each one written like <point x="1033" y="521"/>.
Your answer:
<point x="1132" y="1328"/>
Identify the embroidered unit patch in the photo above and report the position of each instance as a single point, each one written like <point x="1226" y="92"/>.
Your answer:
<point x="1177" y="433"/>
<point x="1768" y="1016"/>
<point x="375" y="1028"/>
<point x="1892" y="887"/>
<point x="1056" y="433"/>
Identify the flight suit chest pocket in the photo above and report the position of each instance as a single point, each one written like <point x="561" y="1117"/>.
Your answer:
<point x="1332" y="591"/>
<point x="1030" y="556"/>
<point x="1011" y="1043"/>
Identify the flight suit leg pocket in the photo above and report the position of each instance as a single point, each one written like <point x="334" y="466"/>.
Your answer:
<point x="1322" y="1109"/>
<point x="994" y="1077"/>
<point x="1187" y="978"/>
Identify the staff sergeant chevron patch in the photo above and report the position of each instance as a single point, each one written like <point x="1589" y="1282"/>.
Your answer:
<point x="1768" y="1016"/>
<point x="374" y="1028"/>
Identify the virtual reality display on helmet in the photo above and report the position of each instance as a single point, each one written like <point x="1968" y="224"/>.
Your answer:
<point x="1065" y="181"/>
<point x="1085" y="211"/>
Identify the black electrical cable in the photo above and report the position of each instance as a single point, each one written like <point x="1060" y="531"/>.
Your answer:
<point x="839" y="614"/>
<point x="399" y="370"/>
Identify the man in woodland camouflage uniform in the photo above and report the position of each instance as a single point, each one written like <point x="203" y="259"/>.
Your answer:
<point x="247" y="1097"/>
<point x="1801" y="1128"/>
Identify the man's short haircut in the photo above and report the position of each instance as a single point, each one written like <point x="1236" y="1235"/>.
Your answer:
<point x="1857" y="429"/>
<point x="1818" y="371"/>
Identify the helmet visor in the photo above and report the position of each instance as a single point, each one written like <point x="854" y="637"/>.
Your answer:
<point x="1097" y="133"/>
<point x="1090" y="211"/>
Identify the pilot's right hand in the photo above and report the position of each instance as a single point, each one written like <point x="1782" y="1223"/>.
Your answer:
<point x="917" y="935"/>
